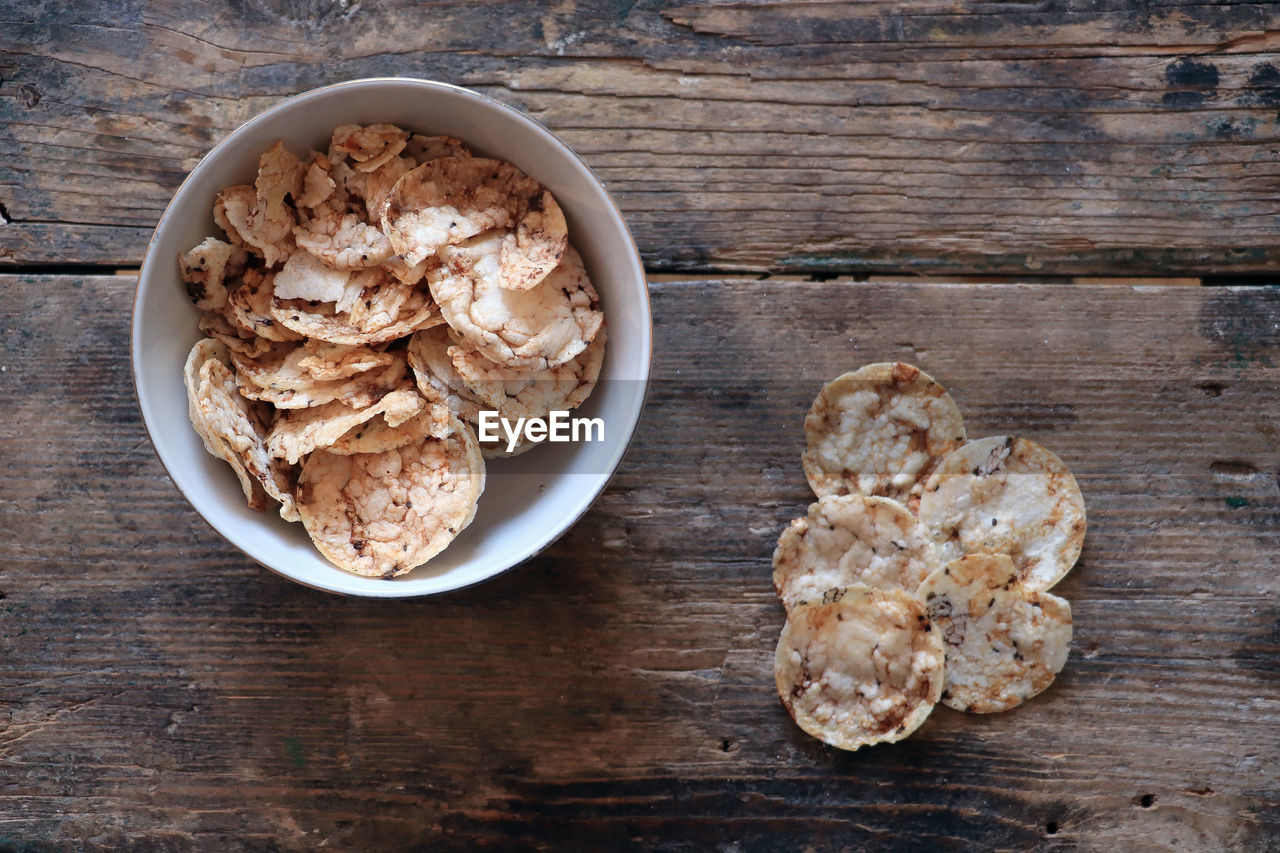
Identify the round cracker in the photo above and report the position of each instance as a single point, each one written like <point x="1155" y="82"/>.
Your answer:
<point x="317" y="182"/>
<point x="265" y="231"/>
<point x="357" y="391"/>
<point x="436" y="376"/>
<point x="416" y="311"/>
<point x="377" y="435"/>
<point x="535" y="248"/>
<point x="324" y="360"/>
<point x="250" y="307"/>
<point x="232" y="430"/>
<point x="880" y="430"/>
<point x="305" y="276"/>
<point x="378" y="185"/>
<point x="515" y="394"/>
<point x="343" y="241"/>
<point x="422" y="149"/>
<point x="524" y="329"/>
<point x="297" y="432"/>
<point x="1007" y="495"/>
<point x="384" y="514"/>
<point x="450" y="199"/>
<point x="1004" y="642"/>
<point x="205" y="269"/>
<point x="864" y="668"/>
<point x="297" y="367"/>
<point x="851" y="539"/>
<point x="368" y="147"/>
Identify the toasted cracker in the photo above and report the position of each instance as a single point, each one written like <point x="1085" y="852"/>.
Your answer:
<point x="423" y="149"/>
<point x="406" y="274"/>
<point x="378" y="185"/>
<point x="348" y="193"/>
<point x="880" y="430"/>
<point x="864" y="668"/>
<point x="1007" y="495"/>
<point x="298" y="432"/>
<point x="266" y="232"/>
<point x="288" y="387"/>
<point x="232" y="430"/>
<point x="1004" y="642"/>
<point x="851" y="539"/>
<point x="250" y="307"/>
<point x="343" y="241"/>
<point x="440" y="382"/>
<point x="279" y="175"/>
<point x="381" y="302"/>
<point x="370" y="146"/>
<point x="384" y="514"/>
<point x="517" y="394"/>
<point x="384" y="310"/>
<point x="296" y="367"/>
<point x="306" y="276"/>
<point x="437" y="378"/>
<point x="377" y="435"/>
<point x="536" y="247"/>
<point x="326" y="361"/>
<point x="317" y="182"/>
<point x="451" y="199"/>
<point x="529" y="330"/>
<point x="205" y="269"/>
<point x="216" y="325"/>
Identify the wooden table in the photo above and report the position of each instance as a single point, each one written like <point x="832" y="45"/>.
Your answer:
<point x="989" y="190"/>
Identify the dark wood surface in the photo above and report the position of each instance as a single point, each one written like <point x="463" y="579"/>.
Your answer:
<point x="159" y="690"/>
<point x="993" y="137"/>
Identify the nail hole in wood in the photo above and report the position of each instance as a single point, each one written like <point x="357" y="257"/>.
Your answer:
<point x="1051" y="828"/>
<point x="1212" y="389"/>
<point x="1147" y="800"/>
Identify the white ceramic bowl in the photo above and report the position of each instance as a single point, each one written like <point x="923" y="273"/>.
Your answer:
<point x="528" y="501"/>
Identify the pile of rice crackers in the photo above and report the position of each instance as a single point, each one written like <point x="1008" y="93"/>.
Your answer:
<point x="365" y="306"/>
<point x="921" y="573"/>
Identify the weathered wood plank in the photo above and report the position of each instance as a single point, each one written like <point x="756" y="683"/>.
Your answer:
<point x="157" y="691"/>
<point x="1067" y="138"/>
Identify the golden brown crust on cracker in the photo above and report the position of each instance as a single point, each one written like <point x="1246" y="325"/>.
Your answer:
<point x="850" y="539"/>
<point x="1004" y="641"/>
<point x="1007" y="495"/>
<point x="879" y="431"/>
<point x="864" y="668"/>
<point x="384" y="514"/>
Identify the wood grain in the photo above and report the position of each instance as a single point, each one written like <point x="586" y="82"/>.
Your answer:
<point x="1069" y="138"/>
<point x="158" y="691"/>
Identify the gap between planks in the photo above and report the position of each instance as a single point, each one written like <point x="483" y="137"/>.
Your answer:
<point x="890" y="278"/>
<point x="878" y="278"/>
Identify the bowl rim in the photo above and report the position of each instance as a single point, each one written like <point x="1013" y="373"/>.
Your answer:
<point x="398" y="591"/>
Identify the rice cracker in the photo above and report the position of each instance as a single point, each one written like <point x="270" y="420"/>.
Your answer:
<point x="1007" y="495"/>
<point x="865" y="668"/>
<point x="1004" y="642"/>
<point x="383" y="514"/>
<point x="849" y="539"/>
<point x="524" y="329"/>
<point x="879" y="431"/>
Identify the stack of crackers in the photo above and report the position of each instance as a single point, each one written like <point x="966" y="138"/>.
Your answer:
<point x="921" y="574"/>
<point x="366" y="305"/>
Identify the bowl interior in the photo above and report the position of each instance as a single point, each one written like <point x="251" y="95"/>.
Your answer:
<point x="528" y="500"/>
